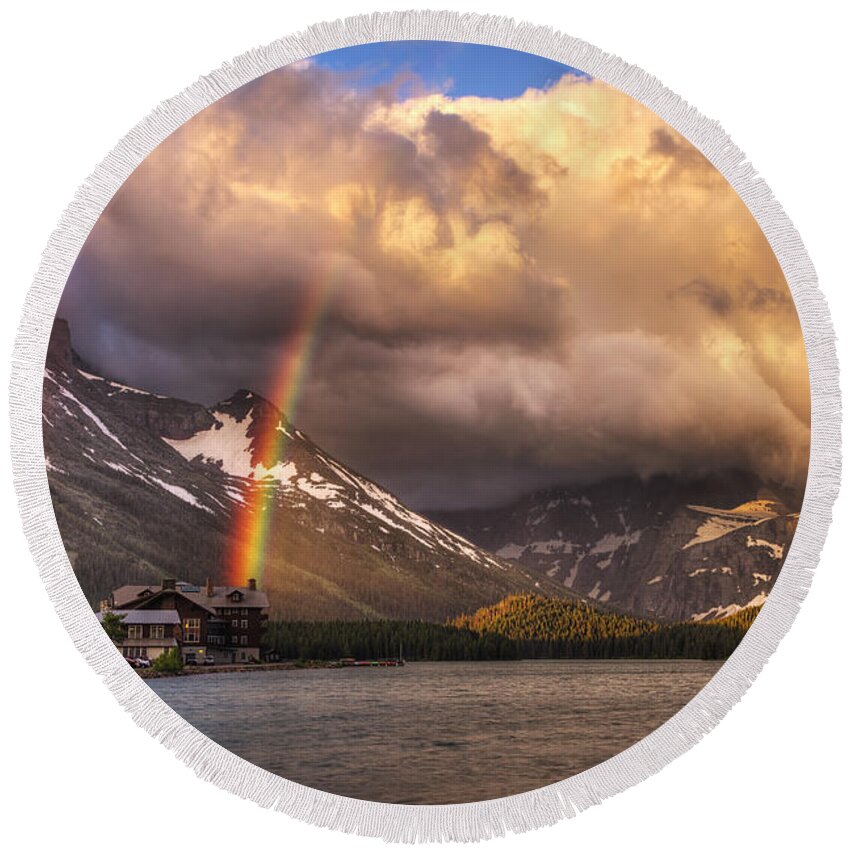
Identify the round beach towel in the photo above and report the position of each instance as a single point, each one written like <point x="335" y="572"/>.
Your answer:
<point x="433" y="425"/>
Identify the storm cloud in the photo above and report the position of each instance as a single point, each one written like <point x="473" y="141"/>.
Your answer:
<point x="550" y="288"/>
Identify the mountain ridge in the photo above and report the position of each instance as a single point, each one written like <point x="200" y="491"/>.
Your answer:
<point x="665" y="547"/>
<point x="145" y="487"/>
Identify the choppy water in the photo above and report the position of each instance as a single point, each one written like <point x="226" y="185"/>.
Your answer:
<point x="436" y="732"/>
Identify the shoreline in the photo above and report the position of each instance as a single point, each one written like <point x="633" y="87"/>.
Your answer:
<point x="150" y="673"/>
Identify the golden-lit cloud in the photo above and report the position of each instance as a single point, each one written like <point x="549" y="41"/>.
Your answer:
<point x="550" y="286"/>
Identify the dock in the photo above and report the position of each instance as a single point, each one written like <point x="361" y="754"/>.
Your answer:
<point x="378" y="662"/>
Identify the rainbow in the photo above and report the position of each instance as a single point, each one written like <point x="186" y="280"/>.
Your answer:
<point x="248" y="539"/>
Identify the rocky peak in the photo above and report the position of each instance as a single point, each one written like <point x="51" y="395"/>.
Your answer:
<point x="243" y="403"/>
<point x="263" y="415"/>
<point x="59" y="352"/>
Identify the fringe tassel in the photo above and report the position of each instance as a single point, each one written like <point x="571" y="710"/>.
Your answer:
<point x="469" y="821"/>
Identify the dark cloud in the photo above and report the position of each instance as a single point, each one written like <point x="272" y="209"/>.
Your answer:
<point x="466" y="156"/>
<point x="665" y="143"/>
<point x="500" y="286"/>
<point x="711" y="295"/>
<point x="760" y="298"/>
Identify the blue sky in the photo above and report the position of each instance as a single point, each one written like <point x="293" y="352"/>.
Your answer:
<point x="459" y="69"/>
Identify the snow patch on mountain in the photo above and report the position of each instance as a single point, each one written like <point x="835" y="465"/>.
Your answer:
<point x="775" y="550"/>
<point x="612" y="542"/>
<point x="85" y="409"/>
<point x="121" y="388"/>
<point x="119" y="467"/>
<point x="226" y="445"/>
<point x="380" y="515"/>
<point x="318" y="487"/>
<point x="280" y="472"/>
<point x="52" y="467"/>
<point x="180" y="492"/>
<point x="719" y="612"/>
<point x="721" y="522"/>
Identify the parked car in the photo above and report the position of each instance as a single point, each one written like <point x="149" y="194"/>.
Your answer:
<point x="191" y="661"/>
<point x="131" y="661"/>
<point x="209" y="661"/>
<point x="143" y="662"/>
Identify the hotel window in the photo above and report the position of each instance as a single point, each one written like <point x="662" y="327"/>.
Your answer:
<point x="244" y="624"/>
<point x="134" y="632"/>
<point x="157" y="631"/>
<point x="192" y="630"/>
<point x="234" y="624"/>
<point x="234" y="639"/>
<point x="244" y="640"/>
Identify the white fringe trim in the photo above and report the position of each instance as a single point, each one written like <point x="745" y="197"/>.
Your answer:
<point x="469" y="821"/>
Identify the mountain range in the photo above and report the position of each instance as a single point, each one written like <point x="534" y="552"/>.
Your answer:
<point x="667" y="547"/>
<point x="145" y="486"/>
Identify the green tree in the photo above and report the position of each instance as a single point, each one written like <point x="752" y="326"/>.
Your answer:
<point x="113" y="625"/>
<point x="169" y="661"/>
<point x="524" y="626"/>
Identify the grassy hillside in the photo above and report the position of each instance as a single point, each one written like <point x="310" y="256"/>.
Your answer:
<point x="532" y="617"/>
<point x="567" y="629"/>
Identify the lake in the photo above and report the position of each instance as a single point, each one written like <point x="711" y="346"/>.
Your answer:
<point x="436" y="732"/>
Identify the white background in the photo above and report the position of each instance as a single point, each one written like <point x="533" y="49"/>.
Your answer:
<point x="77" y="77"/>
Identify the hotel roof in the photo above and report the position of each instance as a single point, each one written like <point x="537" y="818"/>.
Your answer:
<point x="144" y="617"/>
<point x="221" y="596"/>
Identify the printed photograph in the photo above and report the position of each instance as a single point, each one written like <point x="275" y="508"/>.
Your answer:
<point x="426" y="422"/>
